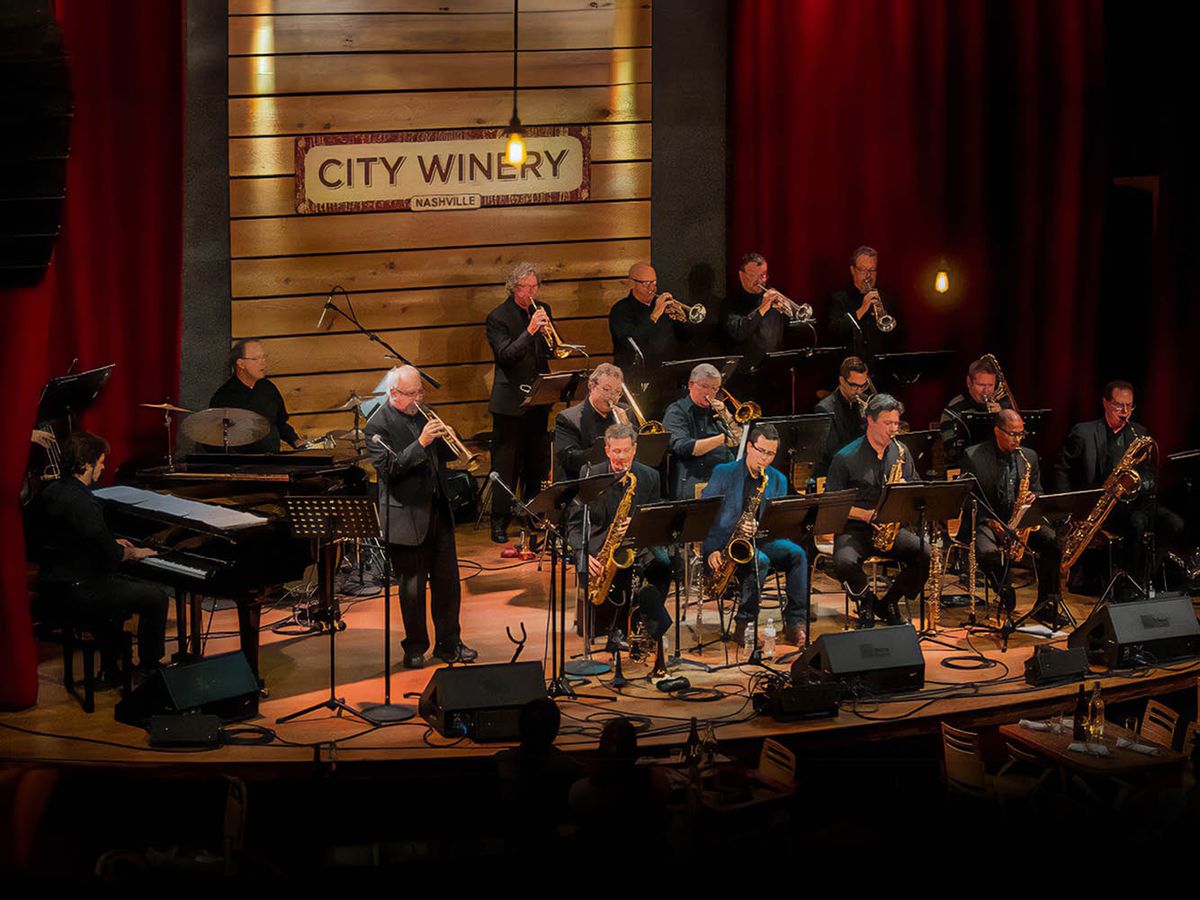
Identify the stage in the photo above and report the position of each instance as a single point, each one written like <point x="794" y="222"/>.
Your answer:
<point x="500" y="594"/>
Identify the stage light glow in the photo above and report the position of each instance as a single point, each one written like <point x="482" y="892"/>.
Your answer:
<point x="514" y="152"/>
<point x="941" y="283"/>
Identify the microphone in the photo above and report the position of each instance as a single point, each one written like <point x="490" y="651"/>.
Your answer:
<point x="637" y="350"/>
<point x="494" y="478"/>
<point x="378" y="439"/>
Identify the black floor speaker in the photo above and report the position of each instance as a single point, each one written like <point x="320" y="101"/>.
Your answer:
<point x="481" y="702"/>
<point x="1144" y="632"/>
<point x="222" y="685"/>
<point x="870" y="660"/>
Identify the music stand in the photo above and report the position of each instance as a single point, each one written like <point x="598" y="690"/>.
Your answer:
<point x="673" y="374"/>
<point x="556" y="387"/>
<point x="328" y="521"/>
<point x="801" y="439"/>
<point x="907" y="368"/>
<point x="69" y="396"/>
<point x="651" y="449"/>
<point x="667" y="524"/>
<point x="791" y="360"/>
<point x="919" y="445"/>
<point x="798" y="518"/>
<point x="916" y="504"/>
<point x="551" y="506"/>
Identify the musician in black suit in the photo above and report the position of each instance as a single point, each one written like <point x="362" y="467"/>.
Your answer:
<point x="520" y="441"/>
<point x="652" y="563"/>
<point x="577" y="427"/>
<point x="864" y="465"/>
<point x="249" y="388"/>
<point x="754" y="323"/>
<point x="414" y="507"/>
<point x="643" y="316"/>
<point x="845" y="407"/>
<point x="1091" y="451"/>
<point x="78" y="559"/>
<point x="983" y="380"/>
<point x="851" y="320"/>
<point x="999" y="465"/>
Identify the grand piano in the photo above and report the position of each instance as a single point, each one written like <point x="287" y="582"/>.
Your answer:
<point x="219" y="524"/>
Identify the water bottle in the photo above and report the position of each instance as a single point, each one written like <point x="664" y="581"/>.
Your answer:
<point x="768" y="640"/>
<point x="748" y="643"/>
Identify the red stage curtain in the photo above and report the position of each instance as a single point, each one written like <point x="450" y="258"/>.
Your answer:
<point x="933" y="129"/>
<point x="114" y="290"/>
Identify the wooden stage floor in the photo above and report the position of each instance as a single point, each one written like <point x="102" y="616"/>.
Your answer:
<point x="500" y="594"/>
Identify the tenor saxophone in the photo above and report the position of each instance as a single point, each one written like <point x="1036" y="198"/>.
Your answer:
<point x="612" y="555"/>
<point x="885" y="535"/>
<point x="739" y="550"/>
<point x="1023" y="502"/>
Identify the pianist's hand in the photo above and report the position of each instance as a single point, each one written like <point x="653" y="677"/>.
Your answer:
<point x="135" y="553"/>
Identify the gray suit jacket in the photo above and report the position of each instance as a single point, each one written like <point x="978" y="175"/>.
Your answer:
<point x="410" y="477"/>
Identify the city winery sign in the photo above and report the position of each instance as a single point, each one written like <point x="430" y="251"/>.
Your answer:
<point x="439" y="170"/>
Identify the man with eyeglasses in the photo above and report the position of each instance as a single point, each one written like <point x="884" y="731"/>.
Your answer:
<point x="851" y="321"/>
<point x="414" y="507"/>
<point x="982" y="380"/>
<point x="864" y="465"/>
<point x="698" y="443"/>
<point x="1090" y="452"/>
<point x="249" y="388"/>
<point x="735" y="483"/>
<point x="998" y="465"/>
<point x="845" y="407"/>
<point x="577" y="427"/>
<point x="641" y="316"/>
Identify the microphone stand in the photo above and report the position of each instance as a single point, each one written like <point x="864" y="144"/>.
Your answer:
<point x="352" y="318"/>
<point x="387" y="713"/>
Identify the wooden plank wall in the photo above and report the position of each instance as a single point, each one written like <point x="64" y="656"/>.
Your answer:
<point x="426" y="280"/>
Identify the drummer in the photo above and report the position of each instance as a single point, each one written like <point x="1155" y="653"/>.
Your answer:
<point x="249" y="388"/>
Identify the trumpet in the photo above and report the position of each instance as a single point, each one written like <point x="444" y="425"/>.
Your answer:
<point x="743" y="412"/>
<point x="558" y="349"/>
<point x="644" y="426"/>
<point x="797" y="312"/>
<point x="682" y="312"/>
<point x="472" y="461"/>
<point x="883" y="320"/>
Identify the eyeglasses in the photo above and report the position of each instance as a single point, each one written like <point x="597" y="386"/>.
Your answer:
<point x="417" y="393"/>
<point x="644" y="281"/>
<point x="1015" y="435"/>
<point x="770" y="453"/>
<point x="1120" y="407"/>
<point x="262" y="357"/>
<point x="853" y="386"/>
<point x="866" y="271"/>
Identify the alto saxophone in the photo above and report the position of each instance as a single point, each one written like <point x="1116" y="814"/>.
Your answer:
<point x="612" y="555"/>
<point x="885" y="535"/>
<point x="1122" y="481"/>
<point x="1024" y="500"/>
<point x="739" y="550"/>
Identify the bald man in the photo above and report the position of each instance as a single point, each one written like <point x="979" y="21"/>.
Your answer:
<point x="998" y="465"/>
<point x="642" y="316"/>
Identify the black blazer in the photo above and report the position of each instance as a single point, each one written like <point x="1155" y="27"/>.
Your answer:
<point x="411" y="475"/>
<point x="983" y="461"/>
<point x="604" y="508"/>
<point x="575" y="431"/>
<point x="842" y="330"/>
<point x="1084" y="452"/>
<point x="519" y="356"/>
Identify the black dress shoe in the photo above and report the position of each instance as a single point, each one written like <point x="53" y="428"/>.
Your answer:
<point x="889" y="611"/>
<point x="414" y="661"/>
<point x="499" y="532"/>
<point x="460" y="653"/>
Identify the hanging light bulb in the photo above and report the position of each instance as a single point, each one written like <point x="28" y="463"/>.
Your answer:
<point x="514" y="152"/>
<point x="941" y="283"/>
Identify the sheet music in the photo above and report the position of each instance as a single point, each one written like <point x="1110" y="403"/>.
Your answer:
<point x="208" y="513"/>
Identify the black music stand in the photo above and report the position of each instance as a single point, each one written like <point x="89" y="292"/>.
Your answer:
<point x="798" y="518"/>
<point x="551" y="506"/>
<point x="673" y="374"/>
<point x="792" y="360"/>
<point x="919" y="445"/>
<point x="651" y="449"/>
<point x="329" y="521"/>
<point x="667" y="524"/>
<point x="908" y="368"/>
<point x="556" y="387"/>
<point x="801" y="438"/>
<point x="69" y="396"/>
<point x="916" y="504"/>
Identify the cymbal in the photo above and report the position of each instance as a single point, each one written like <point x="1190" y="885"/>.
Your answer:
<point x="215" y="427"/>
<point x="357" y="399"/>
<point x="167" y="406"/>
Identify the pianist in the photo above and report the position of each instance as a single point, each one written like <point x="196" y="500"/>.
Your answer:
<point x="414" y="509"/>
<point x="78" y="558"/>
<point x="249" y="388"/>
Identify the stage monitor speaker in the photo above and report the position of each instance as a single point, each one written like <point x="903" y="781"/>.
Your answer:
<point x="875" y="660"/>
<point x="481" y="702"/>
<point x="1144" y="632"/>
<point x="222" y="685"/>
<point x="1049" y="665"/>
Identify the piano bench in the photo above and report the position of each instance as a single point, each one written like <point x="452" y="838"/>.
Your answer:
<point x="74" y="637"/>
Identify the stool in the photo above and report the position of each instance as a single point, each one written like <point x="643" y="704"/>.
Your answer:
<point x="72" y="637"/>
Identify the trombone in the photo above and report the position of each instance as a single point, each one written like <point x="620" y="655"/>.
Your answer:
<point x="743" y="412"/>
<point x="797" y="312"/>
<point x="558" y="348"/>
<point x="644" y="426"/>
<point x="472" y="461"/>
<point x="680" y="311"/>
<point x="1002" y="391"/>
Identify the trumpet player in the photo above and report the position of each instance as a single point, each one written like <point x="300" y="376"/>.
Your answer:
<point x="654" y="322"/>
<point x="410" y="454"/>
<point x="1090" y="452"/>
<point x="754" y="319"/>
<point x="858" y="316"/>
<point x="864" y="466"/>
<point x="516" y="331"/>
<point x="699" y="443"/>
<point x="846" y="406"/>
<point x="983" y="378"/>
<point x="651" y="564"/>
<point x="736" y="483"/>
<point x="577" y="427"/>
<point x="1000" y="466"/>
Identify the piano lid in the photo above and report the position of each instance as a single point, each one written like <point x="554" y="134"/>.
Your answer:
<point x="180" y="509"/>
